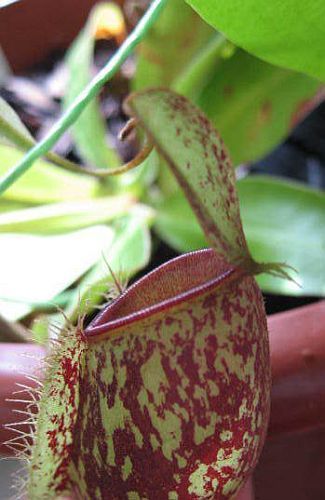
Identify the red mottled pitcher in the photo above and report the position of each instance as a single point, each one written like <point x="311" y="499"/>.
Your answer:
<point x="166" y="393"/>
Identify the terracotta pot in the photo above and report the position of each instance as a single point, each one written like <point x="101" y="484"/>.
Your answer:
<point x="292" y="467"/>
<point x="31" y="30"/>
<point x="293" y="460"/>
<point x="297" y="340"/>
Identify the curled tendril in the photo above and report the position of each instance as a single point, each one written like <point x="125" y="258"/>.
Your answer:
<point x="141" y="156"/>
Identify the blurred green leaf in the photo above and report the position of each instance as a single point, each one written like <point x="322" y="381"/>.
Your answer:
<point x="254" y="105"/>
<point x="65" y="216"/>
<point x="192" y="80"/>
<point x="89" y="131"/>
<point x="35" y="269"/>
<point x="289" y="33"/>
<point x="129" y="253"/>
<point x="11" y="205"/>
<point x="176" y="224"/>
<point x="170" y="45"/>
<point x="283" y="222"/>
<point x="44" y="183"/>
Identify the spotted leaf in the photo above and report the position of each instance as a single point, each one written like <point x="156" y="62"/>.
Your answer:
<point x="197" y="156"/>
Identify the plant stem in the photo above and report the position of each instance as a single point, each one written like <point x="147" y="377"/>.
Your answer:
<point x="76" y="108"/>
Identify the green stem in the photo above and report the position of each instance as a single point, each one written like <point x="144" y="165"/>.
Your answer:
<point x="76" y="108"/>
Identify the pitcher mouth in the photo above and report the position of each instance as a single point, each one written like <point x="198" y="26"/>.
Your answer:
<point x="181" y="279"/>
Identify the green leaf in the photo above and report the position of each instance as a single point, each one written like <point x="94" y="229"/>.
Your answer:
<point x="176" y="224"/>
<point x="288" y="33"/>
<point x="44" y="183"/>
<point x="170" y="45"/>
<point x="35" y="269"/>
<point x="192" y="80"/>
<point x="282" y="220"/>
<point x="254" y="105"/>
<point x="89" y="131"/>
<point x="129" y="253"/>
<point x="11" y="205"/>
<point x="65" y="216"/>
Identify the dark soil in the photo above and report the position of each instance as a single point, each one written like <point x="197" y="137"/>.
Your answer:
<point x="37" y="97"/>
